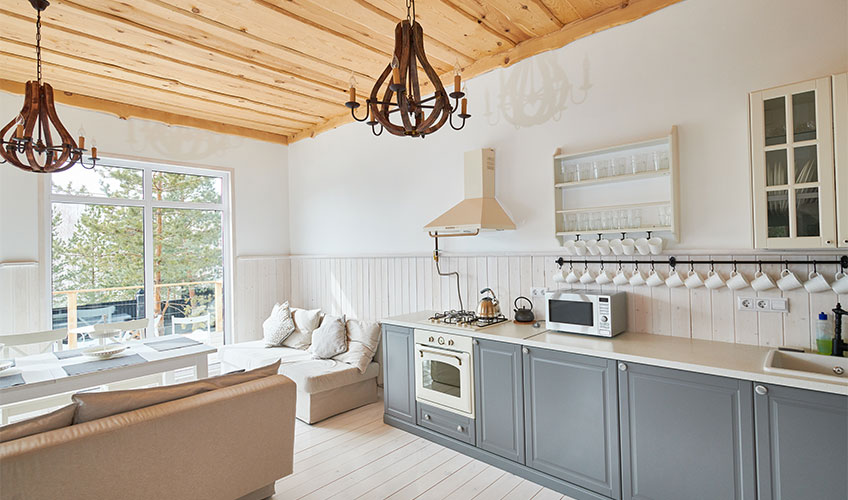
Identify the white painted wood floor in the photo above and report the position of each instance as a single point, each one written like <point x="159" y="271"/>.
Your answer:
<point x="356" y="455"/>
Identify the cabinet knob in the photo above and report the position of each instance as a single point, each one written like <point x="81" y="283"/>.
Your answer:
<point x="525" y="350"/>
<point x="828" y="243"/>
<point x="459" y="428"/>
<point x="475" y="342"/>
<point x="622" y="367"/>
<point x="426" y="417"/>
<point x="761" y="390"/>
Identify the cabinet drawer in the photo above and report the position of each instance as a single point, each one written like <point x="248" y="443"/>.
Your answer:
<point x="448" y="423"/>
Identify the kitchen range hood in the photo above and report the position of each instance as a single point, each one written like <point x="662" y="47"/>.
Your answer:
<point x="479" y="211"/>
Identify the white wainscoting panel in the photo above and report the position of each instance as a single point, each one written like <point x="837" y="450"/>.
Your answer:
<point x="378" y="287"/>
<point x="19" y="297"/>
<point x="260" y="282"/>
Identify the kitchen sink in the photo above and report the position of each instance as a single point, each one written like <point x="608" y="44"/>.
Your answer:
<point x="830" y="368"/>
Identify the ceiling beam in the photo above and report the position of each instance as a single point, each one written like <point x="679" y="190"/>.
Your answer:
<point x="127" y="111"/>
<point x="609" y="18"/>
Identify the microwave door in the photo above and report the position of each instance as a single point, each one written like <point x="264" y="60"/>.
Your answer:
<point x="575" y="316"/>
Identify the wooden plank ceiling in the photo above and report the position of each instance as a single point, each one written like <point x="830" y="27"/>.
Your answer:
<point x="275" y="70"/>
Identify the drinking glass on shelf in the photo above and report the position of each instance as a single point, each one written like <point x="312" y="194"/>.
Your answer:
<point x="654" y="160"/>
<point x="570" y="174"/>
<point x="571" y="222"/>
<point x="665" y="216"/>
<point x="663" y="160"/>
<point x="605" y="220"/>
<point x="639" y="163"/>
<point x="635" y="217"/>
<point x="603" y="168"/>
<point x="583" y="221"/>
<point x="619" y="166"/>
<point x="585" y="171"/>
<point x="596" y="221"/>
<point x="622" y="219"/>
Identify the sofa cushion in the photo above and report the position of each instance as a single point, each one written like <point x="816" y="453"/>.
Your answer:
<point x="363" y="337"/>
<point x="63" y="417"/>
<point x="319" y="375"/>
<point x="305" y="322"/>
<point x="310" y="375"/>
<point x="94" y="405"/>
<point x="329" y="339"/>
<point x="279" y="325"/>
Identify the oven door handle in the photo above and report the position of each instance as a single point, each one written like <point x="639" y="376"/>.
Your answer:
<point x="436" y="352"/>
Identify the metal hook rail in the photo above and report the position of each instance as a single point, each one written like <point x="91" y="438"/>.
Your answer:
<point x="674" y="262"/>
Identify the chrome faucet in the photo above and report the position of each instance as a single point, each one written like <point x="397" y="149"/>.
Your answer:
<point x="839" y="345"/>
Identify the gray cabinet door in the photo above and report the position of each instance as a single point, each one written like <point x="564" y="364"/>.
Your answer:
<point x="571" y="419"/>
<point x="398" y="374"/>
<point x="685" y="435"/>
<point x="802" y="444"/>
<point x="499" y="399"/>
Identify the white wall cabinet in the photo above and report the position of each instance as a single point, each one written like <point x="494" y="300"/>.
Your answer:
<point x="794" y="168"/>
<point x="840" y="142"/>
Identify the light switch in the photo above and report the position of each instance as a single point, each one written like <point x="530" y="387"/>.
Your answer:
<point x="780" y="305"/>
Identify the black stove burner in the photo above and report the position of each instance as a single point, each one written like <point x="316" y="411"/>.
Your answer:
<point x="466" y="318"/>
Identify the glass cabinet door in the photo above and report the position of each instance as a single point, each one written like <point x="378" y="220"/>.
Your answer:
<point x="840" y="133"/>
<point x="793" y="176"/>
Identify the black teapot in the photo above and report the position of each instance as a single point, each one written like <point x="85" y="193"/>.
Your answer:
<point x="523" y="314"/>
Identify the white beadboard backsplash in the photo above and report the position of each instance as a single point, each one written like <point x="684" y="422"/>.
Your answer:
<point x="378" y="287"/>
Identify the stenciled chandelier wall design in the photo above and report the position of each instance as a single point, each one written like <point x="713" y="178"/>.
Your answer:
<point x="401" y="90"/>
<point x="36" y="140"/>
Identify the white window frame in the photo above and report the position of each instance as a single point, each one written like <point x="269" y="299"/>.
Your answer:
<point x="147" y="203"/>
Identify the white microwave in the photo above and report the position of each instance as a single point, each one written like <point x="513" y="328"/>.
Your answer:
<point x="598" y="314"/>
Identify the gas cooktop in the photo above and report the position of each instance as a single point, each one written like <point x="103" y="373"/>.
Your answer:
<point x="467" y="319"/>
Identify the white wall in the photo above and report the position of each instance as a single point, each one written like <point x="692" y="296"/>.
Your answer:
<point x="260" y="179"/>
<point x="691" y="64"/>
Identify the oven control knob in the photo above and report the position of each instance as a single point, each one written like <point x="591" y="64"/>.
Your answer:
<point x="441" y="341"/>
<point x="426" y="417"/>
<point x="604" y="319"/>
<point x="459" y="428"/>
<point x="450" y="341"/>
<point x="431" y="339"/>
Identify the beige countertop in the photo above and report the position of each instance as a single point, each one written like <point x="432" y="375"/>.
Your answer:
<point x="724" y="359"/>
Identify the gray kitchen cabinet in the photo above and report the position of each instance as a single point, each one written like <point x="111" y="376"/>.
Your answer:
<point x="685" y="435"/>
<point x="398" y="373"/>
<point x="802" y="444"/>
<point x="499" y="400"/>
<point x="571" y="421"/>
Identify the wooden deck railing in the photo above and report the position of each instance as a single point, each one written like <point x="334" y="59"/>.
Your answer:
<point x="73" y="294"/>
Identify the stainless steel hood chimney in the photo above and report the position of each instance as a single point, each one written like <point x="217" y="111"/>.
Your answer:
<point x="479" y="211"/>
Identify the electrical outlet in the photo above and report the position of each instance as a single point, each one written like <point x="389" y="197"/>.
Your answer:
<point x="538" y="291"/>
<point x="745" y="303"/>
<point x="762" y="304"/>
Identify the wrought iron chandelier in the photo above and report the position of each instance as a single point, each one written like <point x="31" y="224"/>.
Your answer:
<point x="399" y="85"/>
<point x="27" y="141"/>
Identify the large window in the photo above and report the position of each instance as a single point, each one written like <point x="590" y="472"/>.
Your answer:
<point x="132" y="240"/>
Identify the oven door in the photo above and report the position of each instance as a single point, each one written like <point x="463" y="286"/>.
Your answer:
<point x="443" y="379"/>
<point x="573" y="313"/>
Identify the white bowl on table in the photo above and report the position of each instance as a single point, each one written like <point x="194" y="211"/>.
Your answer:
<point x="105" y="351"/>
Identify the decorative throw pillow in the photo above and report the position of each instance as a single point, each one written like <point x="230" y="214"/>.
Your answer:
<point x="94" y="405"/>
<point x="63" y="417"/>
<point x="305" y="322"/>
<point x="278" y="326"/>
<point x="329" y="339"/>
<point x="363" y="338"/>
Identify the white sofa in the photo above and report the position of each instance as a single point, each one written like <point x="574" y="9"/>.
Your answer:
<point x="325" y="387"/>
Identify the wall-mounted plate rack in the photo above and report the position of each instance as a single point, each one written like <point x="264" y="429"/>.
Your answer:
<point x="640" y="179"/>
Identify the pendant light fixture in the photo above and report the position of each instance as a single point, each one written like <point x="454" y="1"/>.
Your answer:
<point x="36" y="140"/>
<point x="401" y="93"/>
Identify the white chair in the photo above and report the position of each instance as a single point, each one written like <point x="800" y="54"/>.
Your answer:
<point x="122" y="330"/>
<point x="25" y="344"/>
<point x="38" y="342"/>
<point x="201" y="335"/>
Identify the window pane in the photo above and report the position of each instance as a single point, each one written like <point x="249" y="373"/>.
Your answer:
<point x="806" y="165"/>
<point x="804" y="115"/>
<point x="184" y="187"/>
<point x="188" y="272"/>
<point x="98" y="265"/>
<point x="775" y="120"/>
<point x="778" y="214"/>
<point x="807" y="211"/>
<point x="102" y="181"/>
<point x="776" y="168"/>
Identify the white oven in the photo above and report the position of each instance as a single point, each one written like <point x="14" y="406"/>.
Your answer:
<point x="444" y="373"/>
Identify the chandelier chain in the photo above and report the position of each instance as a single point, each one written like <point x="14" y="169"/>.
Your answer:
<point x="38" y="45"/>
<point x="410" y="11"/>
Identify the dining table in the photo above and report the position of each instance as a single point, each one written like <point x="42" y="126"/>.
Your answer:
<point x="57" y="372"/>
